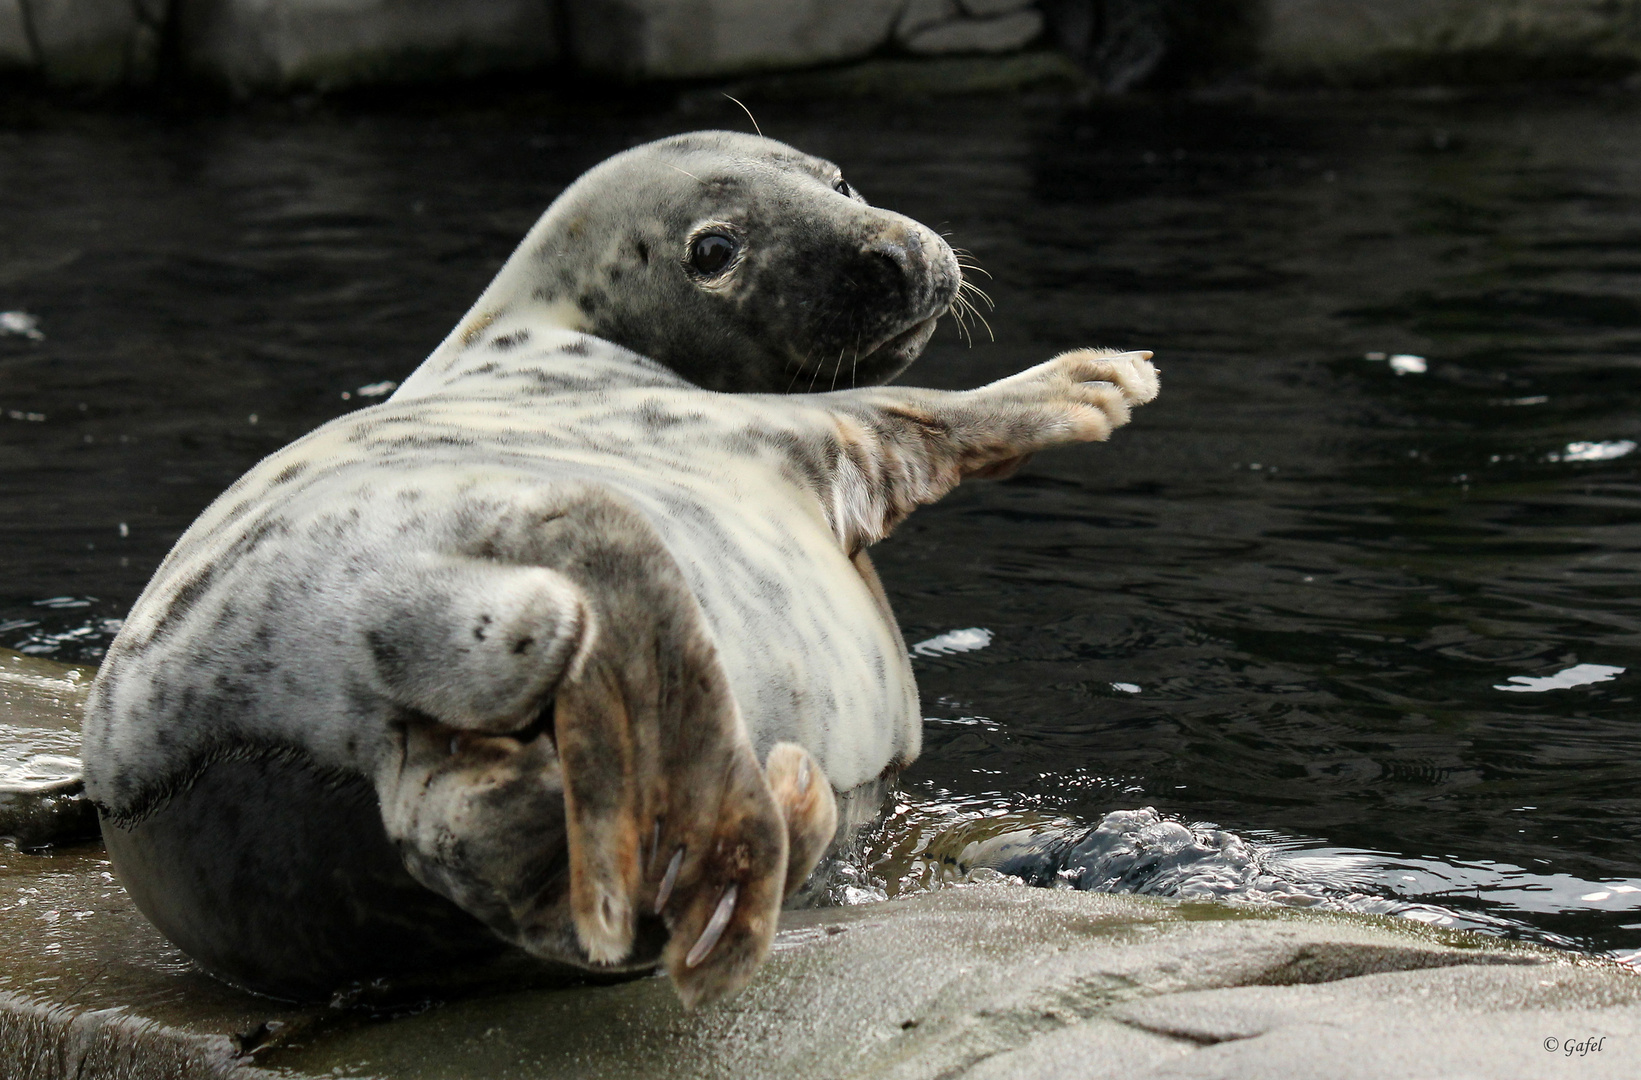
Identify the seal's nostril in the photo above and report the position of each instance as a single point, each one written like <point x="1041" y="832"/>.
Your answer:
<point x="895" y="260"/>
<point x="895" y="254"/>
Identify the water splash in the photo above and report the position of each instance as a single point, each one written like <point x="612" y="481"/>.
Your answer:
<point x="927" y="843"/>
<point x="1578" y="675"/>
<point x="1594" y="451"/>
<point x="20" y="324"/>
<point x="954" y="641"/>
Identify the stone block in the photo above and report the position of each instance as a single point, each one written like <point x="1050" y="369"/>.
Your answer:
<point x="327" y="44"/>
<point x="99" y="43"/>
<point x="945" y="27"/>
<point x="15" y="50"/>
<point x="1399" y="41"/>
<point x="647" y="39"/>
<point x="985" y="9"/>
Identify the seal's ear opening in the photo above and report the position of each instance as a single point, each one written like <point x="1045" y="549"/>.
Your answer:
<point x="473" y="644"/>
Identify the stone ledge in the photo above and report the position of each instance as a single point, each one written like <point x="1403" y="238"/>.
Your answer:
<point x="984" y="982"/>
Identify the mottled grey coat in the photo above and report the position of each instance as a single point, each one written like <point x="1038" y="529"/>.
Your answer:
<point x="536" y="620"/>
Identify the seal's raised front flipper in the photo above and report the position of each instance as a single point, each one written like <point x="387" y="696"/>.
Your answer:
<point x="898" y="448"/>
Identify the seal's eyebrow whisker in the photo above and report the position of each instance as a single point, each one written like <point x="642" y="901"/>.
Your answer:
<point x="686" y="172"/>
<point x="748" y="112"/>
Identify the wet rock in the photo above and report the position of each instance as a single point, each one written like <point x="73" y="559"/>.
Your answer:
<point x="1380" y="41"/>
<point x="977" y="982"/>
<point x="42" y="801"/>
<point x="646" y="39"/>
<point x="253" y="44"/>
<point x="987" y="981"/>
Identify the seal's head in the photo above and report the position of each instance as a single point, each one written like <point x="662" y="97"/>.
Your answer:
<point x="738" y="262"/>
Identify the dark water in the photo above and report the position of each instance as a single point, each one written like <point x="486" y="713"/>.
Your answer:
<point x="1286" y="601"/>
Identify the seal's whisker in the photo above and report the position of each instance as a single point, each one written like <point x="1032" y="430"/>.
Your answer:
<point x="978" y="291"/>
<point x="798" y="370"/>
<point x="748" y="112"/>
<point x="959" y="310"/>
<point x="975" y="267"/>
<point x="983" y="322"/>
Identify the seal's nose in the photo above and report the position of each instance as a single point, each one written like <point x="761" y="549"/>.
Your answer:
<point x="917" y="261"/>
<point x="902" y="247"/>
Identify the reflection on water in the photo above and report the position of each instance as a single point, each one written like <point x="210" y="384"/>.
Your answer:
<point x="1297" y="598"/>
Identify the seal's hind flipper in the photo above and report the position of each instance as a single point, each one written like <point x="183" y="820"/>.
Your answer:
<point x="806" y="801"/>
<point x="668" y="814"/>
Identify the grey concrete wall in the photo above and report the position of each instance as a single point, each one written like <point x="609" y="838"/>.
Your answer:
<point x="278" y="45"/>
<point x="256" y="44"/>
<point x="282" y="44"/>
<point x="1392" y="41"/>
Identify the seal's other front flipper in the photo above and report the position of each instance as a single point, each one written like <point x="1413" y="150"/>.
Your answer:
<point x="473" y="644"/>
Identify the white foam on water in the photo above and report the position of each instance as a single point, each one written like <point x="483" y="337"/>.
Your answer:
<point x="1408" y="364"/>
<point x="20" y="323"/>
<point x="1577" y="675"/>
<point x="1594" y="451"/>
<point x="954" y="641"/>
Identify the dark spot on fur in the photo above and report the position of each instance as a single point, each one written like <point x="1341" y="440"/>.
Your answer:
<point x="656" y="419"/>
<point x="643" y="252"/>
<point x="522" y="645"/>
<point x="576" y="348"/>
<point x="511" y="341"/>
<point x="252" y="540"/>
<point x="289" y="473"/>
<point x="183" y="600"/>
<point x="586" y="303"/>
<point x="484" y="621"/>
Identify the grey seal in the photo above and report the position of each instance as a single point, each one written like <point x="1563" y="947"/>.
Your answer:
<point x="495" y="663"/>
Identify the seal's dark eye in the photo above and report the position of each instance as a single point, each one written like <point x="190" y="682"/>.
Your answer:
<point x="842" y="188"/>
<point x="711" y="253"/>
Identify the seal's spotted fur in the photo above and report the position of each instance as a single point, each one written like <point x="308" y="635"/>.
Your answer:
<point x="550" y="605"/>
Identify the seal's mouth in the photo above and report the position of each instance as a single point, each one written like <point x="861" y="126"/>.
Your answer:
<point x="905" y="346"/>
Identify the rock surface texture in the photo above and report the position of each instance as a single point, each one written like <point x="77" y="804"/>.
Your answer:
<point x="1387" y="41"/>
<point x="292" y="44"/>
<point x="250" y="44"/>
<point x="978" y="982"/>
